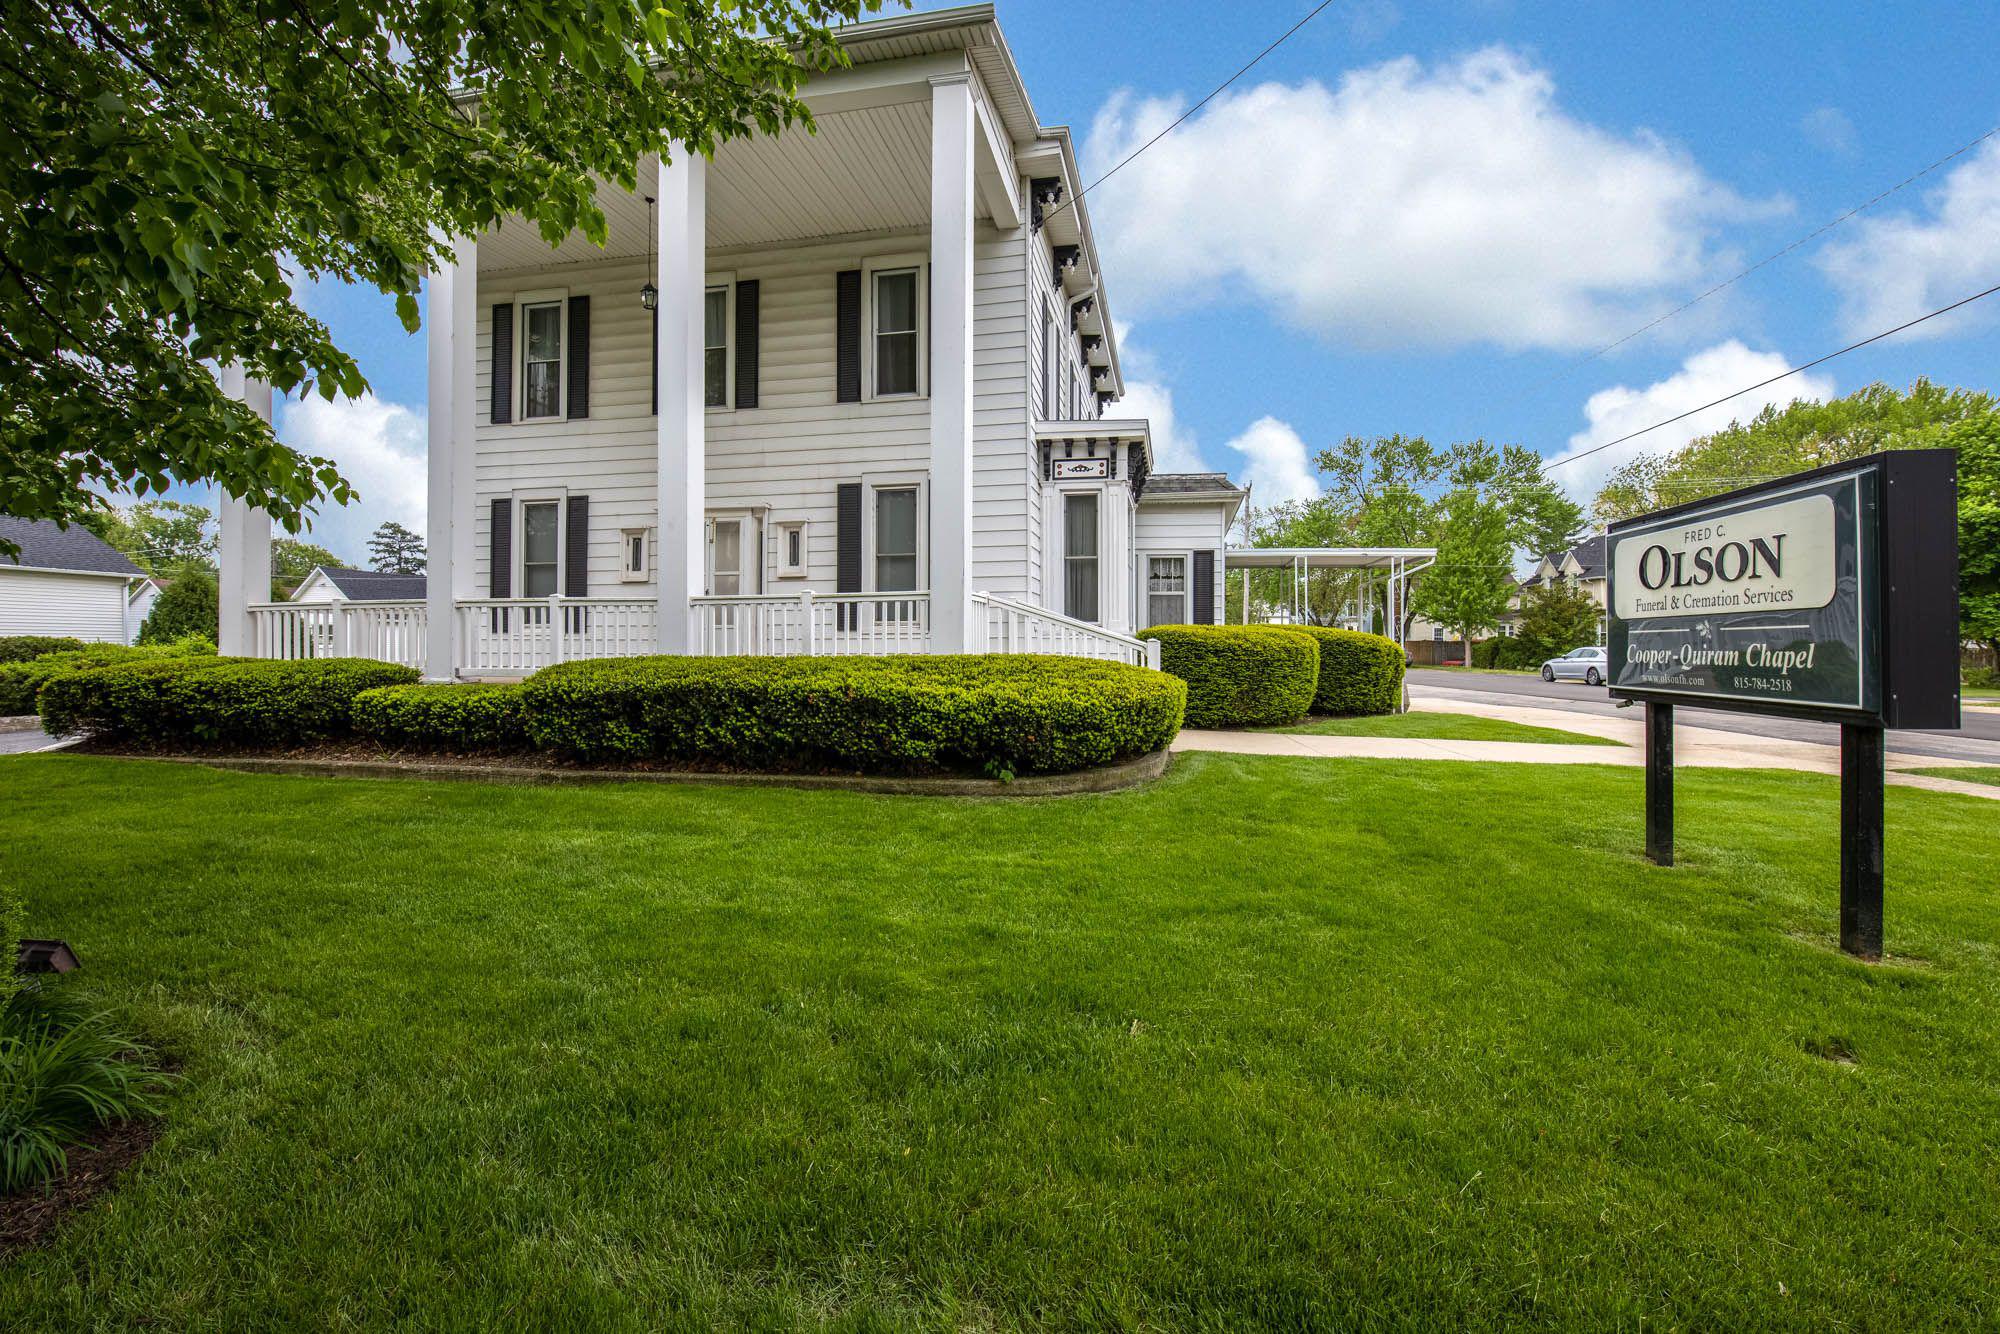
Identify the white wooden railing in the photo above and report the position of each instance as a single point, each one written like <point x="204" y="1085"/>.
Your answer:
<point x="515" y="636"/>
<point x="1021" y="627"/>
<point x="813" y="624"/>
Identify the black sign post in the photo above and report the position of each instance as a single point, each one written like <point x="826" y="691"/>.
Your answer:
<point x="1830" y="595"/>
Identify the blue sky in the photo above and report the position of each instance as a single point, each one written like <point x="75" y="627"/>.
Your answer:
<point x="1423" y="218"/>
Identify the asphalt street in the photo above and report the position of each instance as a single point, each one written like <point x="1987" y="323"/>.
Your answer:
<point x="1978" y="737"/>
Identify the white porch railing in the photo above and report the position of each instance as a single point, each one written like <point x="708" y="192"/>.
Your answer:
<point x="813" y="624"/>
<point x="387" y="631"/>
<point x="515" y="636"/>
<point x="1021" y="627"/>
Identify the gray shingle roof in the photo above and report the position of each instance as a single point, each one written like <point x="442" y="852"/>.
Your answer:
<point x="1589" y="554"/>
<point x="373" y="585"/>
<point x="1163" y="484"/>
<point x="45" y="546"/>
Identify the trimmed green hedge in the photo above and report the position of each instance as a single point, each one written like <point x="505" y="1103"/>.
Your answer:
<point x="997" y="714"/>
<point x="458" y="718"/>
<point x="1358" y="672"/>
<point x="20" y="648"/>
<point x="22" y="682"/>
<point x="216" y="701"/>
<point x="1240" y="675"/>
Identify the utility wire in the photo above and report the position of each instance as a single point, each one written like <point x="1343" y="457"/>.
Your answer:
<point x="1771" y="258"/>
<point x="1816" y="361"/>
<point x="1182" y="119"/>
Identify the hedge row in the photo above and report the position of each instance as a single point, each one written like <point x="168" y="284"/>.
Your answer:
<point x="999" y="714"/>
<point x="216" y="701"/>
<point x="460" y="718"/>
<point x="1269" y="675"/>
<point x="21" y="681"/>
<point x="20" y="648"/>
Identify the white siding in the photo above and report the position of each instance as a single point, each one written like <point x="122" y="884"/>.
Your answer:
<point x="1165" y="529"/>
<point x="784" y="457"/>
<point x="42" y="602"/>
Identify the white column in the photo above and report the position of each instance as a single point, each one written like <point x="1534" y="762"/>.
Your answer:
<point x="683" y="484"/>
<point x="952" y="129"/>
<point x="243" y="555"/>
<point x="451" y="320"/>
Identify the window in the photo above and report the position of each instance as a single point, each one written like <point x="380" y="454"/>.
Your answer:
<point x="1166" y="590"/>
<point x="896" y="540"/>
<point x="897" y="337"/>
<point x="792" y="550"/>
<point x="1049" y="347"/>
<point x="541" y="359"/>
<point x="1437" y="634"/>
<point x="1080" y="555"/>
<point x="715" y="347"/>
<point x="633" y="560"/>
<point x="729" y="541"/>
<point x="541" y="547"/>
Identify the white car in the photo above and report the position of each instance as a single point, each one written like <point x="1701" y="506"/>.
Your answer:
<point x="1579" y="664"/>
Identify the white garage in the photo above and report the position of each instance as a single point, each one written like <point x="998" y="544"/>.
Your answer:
<point x="64" y="582"/>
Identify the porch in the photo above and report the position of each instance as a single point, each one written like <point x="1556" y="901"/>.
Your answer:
<point x="510" y="637"/>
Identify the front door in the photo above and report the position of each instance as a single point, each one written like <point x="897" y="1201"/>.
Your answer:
<point x="732" y="556"/>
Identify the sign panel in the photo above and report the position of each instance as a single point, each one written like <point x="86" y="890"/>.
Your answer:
<point x="1766" y="598"/>
<point x="1071" y="469"/>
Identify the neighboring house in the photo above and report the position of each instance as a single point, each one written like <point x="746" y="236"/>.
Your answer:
<point x="65" y="581"/>
<point x="824" y="393"/>
<point x="1581" y="566"/>
<point x="337" y="583"/>
<point x="1179" y="539"/>
<point x="139" y="603"/>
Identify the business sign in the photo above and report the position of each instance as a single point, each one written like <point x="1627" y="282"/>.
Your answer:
<point x="1785" y="597"/>
<point x="1072" y="469"/>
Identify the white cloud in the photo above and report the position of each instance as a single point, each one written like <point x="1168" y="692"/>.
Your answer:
<point x="1828" y="128"/>
<point x="1896" y="267"/>
<point x="380" y="447"/>
<point x="1276" y="463"/>
<point x="1707" y="375"/>
<point x="1410" y="205"/>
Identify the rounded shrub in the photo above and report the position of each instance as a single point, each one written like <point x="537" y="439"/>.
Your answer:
<point x="1358" y="672"/>
<point x="997" y="714"/>
<point x="21" y="682"/>
<point x="460" y="718"/>
<point x="187" y="606"/>
<point x="20" y="648"/>
<point x="1240" y="675"/>
<point x="198" y="702"/>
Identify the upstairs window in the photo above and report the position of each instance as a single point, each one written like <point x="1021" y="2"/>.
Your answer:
<point x="541" y="359"/>
<point x="897" y="333"/>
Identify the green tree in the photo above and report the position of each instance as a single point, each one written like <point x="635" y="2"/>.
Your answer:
<point x="187" y="606"/>
<point x="1978" y="444"/>
<point x="165" y="155"/>
<point x="1469" y="587"/>
<point x="158" y="535"/>
<point x="1556" y="619"/>
<point x="291" y="561"/>
<point x="396" y="550"/>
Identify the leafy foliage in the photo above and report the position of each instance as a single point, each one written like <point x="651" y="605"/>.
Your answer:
<point x="458" y="718"/>
<point x="1240" y="675"/>
<point x="998" y="714"/>
<point x="396" y="550"/>
<point x="1556" y="619"/>
<point x="1469" y="586"/>
<point x="190" y="605"/>
<point x="1977" y="441"/>
<point x="292" y="560"/>
<point x="13" y="926"/>
<point x="21" y="648"/>
<point x="216" y="701"/>
<point x="21" y="682"/>
<point x="164" y="158"/>
<point x="159" y="536"/>
<point x="1358" y="673"/>
<point x="61" y="1076"/>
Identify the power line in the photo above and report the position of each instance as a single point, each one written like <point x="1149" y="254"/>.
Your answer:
<point x="1771" y="258"/>
<point x="1816" y="361"/>
<point x="1214" y="93"/>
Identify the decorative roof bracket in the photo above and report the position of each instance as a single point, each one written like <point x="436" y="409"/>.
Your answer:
<point x="1044" y="192"/>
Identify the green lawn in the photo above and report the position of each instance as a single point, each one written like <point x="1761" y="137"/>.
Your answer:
<point x="1443" y="727"/>
<point x="1272" y="1043"/>
<point x="1977" y="773"/>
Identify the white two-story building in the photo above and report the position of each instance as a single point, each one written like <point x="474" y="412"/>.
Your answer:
<point x="843" y="391"/>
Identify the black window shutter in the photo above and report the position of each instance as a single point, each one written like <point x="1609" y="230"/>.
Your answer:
<point x="1204" y="588"/>
<point x="847" y="331"/>
<point x="500" y="549"/>
<point x="847" y="548"/>
<point x="503" y="363"/>
<point x="579" y="357"/>
<point x="656" y="361"/>
<point x="576" y="549"/>
<point x="746" y="344"/>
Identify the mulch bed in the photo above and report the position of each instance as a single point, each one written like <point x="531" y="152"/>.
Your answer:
<point x="28" y="1217"/>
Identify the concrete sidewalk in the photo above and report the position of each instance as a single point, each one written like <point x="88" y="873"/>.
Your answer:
<point x="1694" y="747"/>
